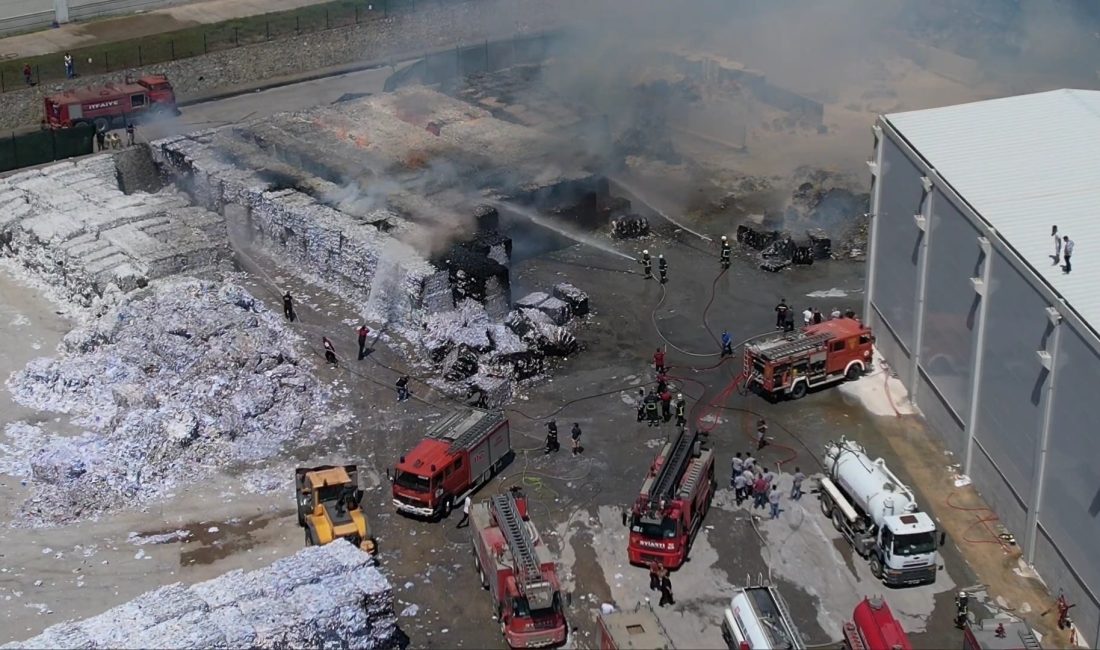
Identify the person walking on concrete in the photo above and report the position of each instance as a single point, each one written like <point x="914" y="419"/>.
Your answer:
<point x="130" y="134"/>
<point x="773" y="500"/>
<point x="1067" y="252"/>
<point x="362" y="333"/>
<point x="330" y="352"/>
<point x="725" y="259"/>
<point x="402" y="385"/>
<point x="750" y="462"/>
<point x="788" y="321"/>
<point x="727" y="344"/>
<point x="288" y="306"/>
<point x="116" y="142"/>
<point x="641" y="404"/>
<point x="681" y="411"/>
<point x="1057" y="256"/>
<point x="28" y="76"/>
<point x="662" y="382"/>
<point x="761" y="434"/>
<point x="662" y="267"/>
<point x="850" y="313"/>
<point x="575" y="436"/>
<point x="739" y="488"/>
<point x="807" y="316"/>
<point x="465" y="521"/>
<point x="768" y="476"/>
<point x="659" y="361"/>
<point x="749" y="477"/>
<point x="666" y="405"/>
<point x="796" y="486"/>
<point x="817" y="316"/>
<point x="100" y="140"/>
<point x="70" y="67"/>
<point x="654" y="575"/>
<point x="651" y="409"/>
<point x="647" y="265"/>
<point x="781" y="313"/>
<point x="552" y="437"/>
<point x="835" y="314"/>
<point x="666" y="589"/>
<point x="737" y="465"/>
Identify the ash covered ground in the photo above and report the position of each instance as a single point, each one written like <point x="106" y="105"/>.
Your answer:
<point x="470" y="224"/>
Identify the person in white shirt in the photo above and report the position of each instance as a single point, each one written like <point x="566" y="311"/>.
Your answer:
<point x="1067" y="251"/>
<point x="1057" y="245"/>
<point x="465" y="521"/>
<point x="807" y="316"/>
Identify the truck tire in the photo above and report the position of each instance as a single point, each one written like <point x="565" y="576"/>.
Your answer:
<point x="837" y="520"/>
<point x="798" y="391"/>
<point x="876" y="567"/>
<point x="854" y="371"/>
<point x="826" y="506"/>
<point x="309" y="539"/>
<point x="448" y="505"/>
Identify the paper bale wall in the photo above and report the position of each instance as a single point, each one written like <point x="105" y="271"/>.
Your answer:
<point x="323" y="596"/>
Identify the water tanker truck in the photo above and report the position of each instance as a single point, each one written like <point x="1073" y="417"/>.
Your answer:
<point x="878" y="515"/>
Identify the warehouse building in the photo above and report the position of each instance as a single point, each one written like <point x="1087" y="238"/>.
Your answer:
<point x="997" y="344"/>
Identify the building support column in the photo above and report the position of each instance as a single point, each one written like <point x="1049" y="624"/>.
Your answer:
<point x="876" y="197"/>
<point x="977" y="354"/>
<point x="1048" y="358"/>
<point x="61" y="11"/>
<point x="923" y="221"/>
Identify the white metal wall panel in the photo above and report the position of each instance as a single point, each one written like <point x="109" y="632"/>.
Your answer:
<point x="951" y="304"/>
<point x="896" y="241"/>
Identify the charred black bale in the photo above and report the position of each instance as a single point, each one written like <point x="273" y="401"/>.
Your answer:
<point x="821" y="244"/>
<point x="487" y="218"/>
<point x="472" y="275"/>
<point x="756" y="239"/>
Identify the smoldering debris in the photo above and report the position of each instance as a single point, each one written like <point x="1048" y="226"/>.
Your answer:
<point x="322" y="596"/>
<point x="182" y="379"/>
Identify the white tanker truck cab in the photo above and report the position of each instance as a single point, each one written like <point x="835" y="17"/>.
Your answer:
<point x="878" y="515"/>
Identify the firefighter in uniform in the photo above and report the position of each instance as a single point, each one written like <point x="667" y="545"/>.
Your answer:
<point x="662" y="266"/>
<point x="552" y="436"/>
<point x="725" y="253"/>
<point x="651" y="409"/>
<point x="681" y="418"/>
<point x="647" y="265"/>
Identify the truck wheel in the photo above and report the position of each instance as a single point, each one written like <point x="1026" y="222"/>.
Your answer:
<point x="798" y="391"/>
<point x="309" y="540"/>
<point x="826" y="507"/>
<point x="876" y="567"/>
<point x="854" y="372"/>
<point x="448" y="505"/>
<point x="837" y="519"/>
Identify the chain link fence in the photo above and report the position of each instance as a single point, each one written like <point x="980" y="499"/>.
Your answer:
<point x="39" y="147"/>
<point x="197" y="41"/>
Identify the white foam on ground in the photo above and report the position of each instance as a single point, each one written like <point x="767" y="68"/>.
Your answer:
<point x="879" y="391"/>
<point x="828" y="293"/>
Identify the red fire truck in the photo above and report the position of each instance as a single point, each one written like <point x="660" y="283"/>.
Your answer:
<point x="457" y="456"/>
<point x="674" y="499"/>
<point x="517" y="570"/>
<point x="873" y="627"/>
<point x="817" y="355"/>
<point x="111" y="105"/>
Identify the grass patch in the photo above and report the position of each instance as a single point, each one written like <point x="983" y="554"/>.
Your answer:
<point x="202" y="39"/>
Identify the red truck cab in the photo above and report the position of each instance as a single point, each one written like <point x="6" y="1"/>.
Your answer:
<point x="111" y="105"/>
<point x="459" y="454"/>
<point x="873" y="627"/>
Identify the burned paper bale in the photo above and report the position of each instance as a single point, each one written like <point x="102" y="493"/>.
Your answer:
<point x="574" y="297"/>
<point x="774" y="264"/>
<point x="557" y="341"/>
<point x="629" y="226"/>
<point x="532" y="300"/>
<point x="557" y="310"/>
<point x="820" y="243"/>
<point x="494" y="391"/>
<point x="460" y="363"/>
<point x="756" y="239"/>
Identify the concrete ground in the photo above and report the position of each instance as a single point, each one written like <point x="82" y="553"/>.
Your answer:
<point x="120" y="28"/>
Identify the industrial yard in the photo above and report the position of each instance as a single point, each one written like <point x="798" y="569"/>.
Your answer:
<point x="486" y="213"/>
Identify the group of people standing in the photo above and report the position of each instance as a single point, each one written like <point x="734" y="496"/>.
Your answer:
<point x="750" y="480"/>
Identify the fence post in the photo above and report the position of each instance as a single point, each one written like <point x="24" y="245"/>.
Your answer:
<point x="356" y="14"/>
<point x="298" y="25"/>
<point x="326" y="19"/>
<point x="3" y="88"/>
<point x="172" y="47"/>
<point x="53" y="144"/>
<point x="267" y="28"/>
<point x="106" y="61"/>
<point x="140" y="63"/>
<point x="236" y="37"/>
<point x="205" y="48"/>
<point x="486" y="55"/>
<point x="385" y="8"/>
<point x="38" y="73"/>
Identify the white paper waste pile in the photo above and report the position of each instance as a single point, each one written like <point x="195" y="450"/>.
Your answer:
<point x="171" y="383"/>
<point x="328" y="596"/>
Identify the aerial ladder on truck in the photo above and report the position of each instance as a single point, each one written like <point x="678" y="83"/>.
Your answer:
<point x="528" y="571"/>
<point x="674" y="498"/>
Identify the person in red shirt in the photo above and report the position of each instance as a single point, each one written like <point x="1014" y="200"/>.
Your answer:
<point x="759" y="492"/>
<point x="363" y="331"/>
<point x="659" y="360"/>
<point x="666" y="404"/>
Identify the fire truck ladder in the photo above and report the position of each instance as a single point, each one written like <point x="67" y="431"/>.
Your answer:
<point x="673" y="467"/>
<point x="797" y="346"/>
<point x="476" y="432"/>
<point x="515" y="533"/>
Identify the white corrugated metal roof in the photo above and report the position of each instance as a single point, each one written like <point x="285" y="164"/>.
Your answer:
<point x="1024" y="164"/>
